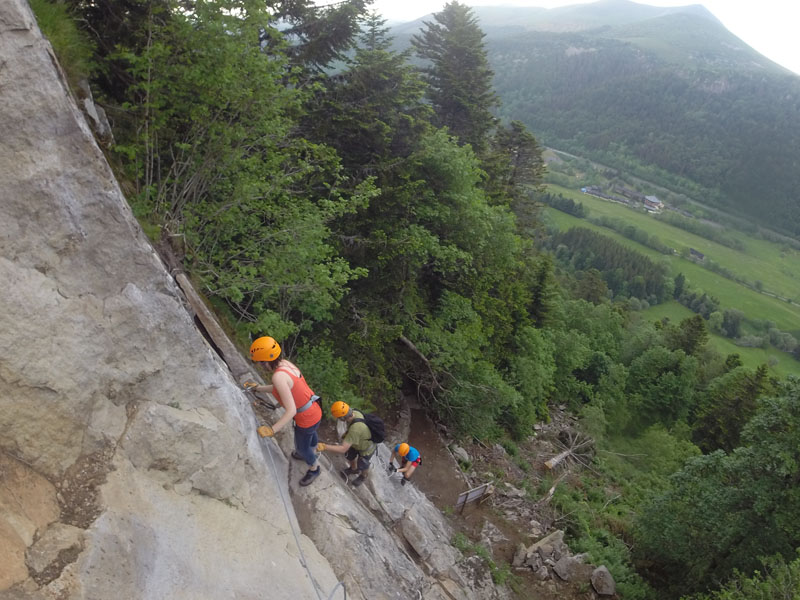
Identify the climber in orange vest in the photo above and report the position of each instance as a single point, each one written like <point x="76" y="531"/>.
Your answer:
<point x="290" y="388"/>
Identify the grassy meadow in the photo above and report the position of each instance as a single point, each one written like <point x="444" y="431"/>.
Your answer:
<point x="777" y="267"/>
<point x="781" y="364"/>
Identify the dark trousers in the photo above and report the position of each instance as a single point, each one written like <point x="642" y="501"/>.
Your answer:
<point x="305" y="442"/>
<point x="363" y="459"/>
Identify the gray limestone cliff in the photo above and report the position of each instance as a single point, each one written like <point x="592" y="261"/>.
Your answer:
<point x="129" y="463"/>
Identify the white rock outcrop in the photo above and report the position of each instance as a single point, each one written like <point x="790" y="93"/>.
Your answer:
<point x="128" y="454"/>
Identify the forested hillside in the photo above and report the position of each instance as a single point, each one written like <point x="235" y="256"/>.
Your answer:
<point x="381" y="223"/>
<point x="666" y="93"/>
<point x="674" y="98"/>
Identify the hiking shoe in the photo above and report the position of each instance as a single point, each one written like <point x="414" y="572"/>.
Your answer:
<point x="349" y="471"/>
<point x="358" y="481"/>
<point x="310" y="476"/>
<point x="403" y="481"/>
<point x="296" y="455"/>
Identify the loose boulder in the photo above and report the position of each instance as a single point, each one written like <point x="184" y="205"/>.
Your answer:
<point x="602" y="582"/>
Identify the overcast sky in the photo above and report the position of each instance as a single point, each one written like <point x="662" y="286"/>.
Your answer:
<point x="770" y="26"/>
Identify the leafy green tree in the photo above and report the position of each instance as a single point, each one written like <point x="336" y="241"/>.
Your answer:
<point x="715" y="321"/>
<point x="446" y="291"/>
<point x="572" y="352"/>
<point x="610" y="398"/>
<point x="732" y="322"/>
<point x="458" y="74"/>
<point x="776" y="579"/>
<point x="722" y="511"/>
<point x="587" y="342"/>
<point x="475" y="251"/>
<point x="640" y="335"/>
<point x="690" y="335"/>
<point x="592" y="287"/>
<point x="532" y="373"/>
<point x="215" y="163"/>
<point x="661" y="386"/>
<point x="732" y="361"/>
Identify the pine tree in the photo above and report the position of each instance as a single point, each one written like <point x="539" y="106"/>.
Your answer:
<point x="458" y="74"/>
<point x="372" y="113"/>
<point x="515" y="166"/>
<point x="726" y="406"/>
<point x="318" y="35"/>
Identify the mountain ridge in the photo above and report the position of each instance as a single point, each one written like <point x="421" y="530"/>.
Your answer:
<point x="666" y="94"/>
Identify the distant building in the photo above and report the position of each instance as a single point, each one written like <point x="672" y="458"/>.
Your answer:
<point x="696" y="254"/>
<point x="628" y="193"/>
<point x="654" y="204"/>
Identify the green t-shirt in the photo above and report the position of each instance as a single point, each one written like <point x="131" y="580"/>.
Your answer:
<point x="358" y="436"/>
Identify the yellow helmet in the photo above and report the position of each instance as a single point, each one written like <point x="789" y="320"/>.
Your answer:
<point x="402" y="449"/>
<point x="340" y="409"/>
<point x="264" y="349"/>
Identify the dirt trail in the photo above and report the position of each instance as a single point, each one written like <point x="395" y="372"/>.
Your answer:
<point x="441" y="480"/>
<point x="439" y="477"/>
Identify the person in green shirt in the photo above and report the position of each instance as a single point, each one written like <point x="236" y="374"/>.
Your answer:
<point x="357" y="445"/>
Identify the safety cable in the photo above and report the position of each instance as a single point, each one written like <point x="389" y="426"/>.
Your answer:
<point x="340" y="583"/>
<point x="303" y="560"/>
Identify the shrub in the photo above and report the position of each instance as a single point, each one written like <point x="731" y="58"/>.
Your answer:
<point x="72" y="46"/>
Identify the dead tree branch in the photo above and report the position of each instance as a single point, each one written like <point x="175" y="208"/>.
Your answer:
<point x="424" y="359"/>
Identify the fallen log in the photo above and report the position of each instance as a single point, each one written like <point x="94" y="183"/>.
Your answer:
<point x="553" y="462"/>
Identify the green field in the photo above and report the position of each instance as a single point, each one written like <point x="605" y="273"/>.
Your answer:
<point x="751" y="357"/>
<point x="776" y="267"/>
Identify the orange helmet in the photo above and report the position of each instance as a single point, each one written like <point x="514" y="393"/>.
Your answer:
<point x="402" y="449"/>
<point x="340" y="409"/>
<point x="264" y="349"/>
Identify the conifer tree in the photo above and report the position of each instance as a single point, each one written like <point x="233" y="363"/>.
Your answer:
<point x="458" y="74"/>
<point x="372" y="113"/>
<point x="726" y="406"/>
<point x="318" y="34"/>
<point x="515" y="166"/>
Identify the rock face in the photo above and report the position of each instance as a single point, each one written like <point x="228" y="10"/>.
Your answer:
<point x="128" y="454"/>
<point x="384" y="540"/>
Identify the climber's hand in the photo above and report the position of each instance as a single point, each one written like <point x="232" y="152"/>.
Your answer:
<point x="321" y="447"/>
<point x="250" y="385"/>
<point x="392" y="468"/>
<point x="265" y="431"/>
